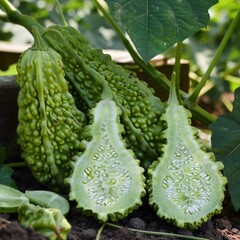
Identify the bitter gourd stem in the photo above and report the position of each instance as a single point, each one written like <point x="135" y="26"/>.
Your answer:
<point x="15" y="16"/>
<point x="199" y="113"/>
<point x="157" y="233"/>
<point x="39" y="43"/>
<point x="173" y="99"/>
<point x="177" y="69"/>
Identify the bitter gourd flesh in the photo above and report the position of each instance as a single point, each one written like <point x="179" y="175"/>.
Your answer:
<point x="50" y="124"/>
<point x="107" y="181"/>
<point x="87" y="69"/>
<point x="186" y="185"/>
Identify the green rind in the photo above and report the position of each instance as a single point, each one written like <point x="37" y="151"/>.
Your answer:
<point x="48" y="199"/>
<point x="49" y="222"/>
<point x="11" y="199"/>
<point x="88" y="69"/>
<point x="50" y="124"/>
<point x="107" y="181"/>
<point x="186" y="186"/>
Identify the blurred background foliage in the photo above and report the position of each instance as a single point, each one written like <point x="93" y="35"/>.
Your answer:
<point x="81" y="14"/>
<point x="198" y="49"/>
<point x="202" y="46"/>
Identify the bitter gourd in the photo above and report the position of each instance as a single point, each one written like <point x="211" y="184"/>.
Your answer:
<point x="87" y="69"/>
<point x="50" y="124"/>
<point x="186" y="186"/>
<point x="107" y="181"/>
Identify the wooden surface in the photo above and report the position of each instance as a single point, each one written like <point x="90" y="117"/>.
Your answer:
<point x="10" y="53"/>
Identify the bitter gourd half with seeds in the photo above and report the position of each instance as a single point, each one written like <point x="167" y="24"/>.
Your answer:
<point x="50" y="124"/>
<point x="107" y="181"/>
<point x="87" y="68"/>
<point x="186" y="185"/>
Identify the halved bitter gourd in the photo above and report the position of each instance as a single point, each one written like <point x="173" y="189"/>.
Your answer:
<point x="185" y="184"/>
<point x="107" y="181"/>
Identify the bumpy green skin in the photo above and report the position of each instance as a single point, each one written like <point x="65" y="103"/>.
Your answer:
<point x="107" y="181"/>
<point x="50" y="124"/>
<point x="186" y="186"/>
<point x="49" y="222"/>
<point x="87" y="69"/>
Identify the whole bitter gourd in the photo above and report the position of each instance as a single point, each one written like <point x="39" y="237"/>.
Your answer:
<point x="87" y="69"/>
<point x="185" y="184"/>
<point x="50" y="124"/>
<point x="107" y="181"/>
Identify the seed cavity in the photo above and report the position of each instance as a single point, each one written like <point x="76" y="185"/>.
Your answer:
<point x="106" y="182"/>
<point x="186" y="184"/>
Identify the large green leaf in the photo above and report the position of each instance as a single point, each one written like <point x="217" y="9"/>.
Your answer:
<point x="155" y="25"/>
<point x="226" y="141"/>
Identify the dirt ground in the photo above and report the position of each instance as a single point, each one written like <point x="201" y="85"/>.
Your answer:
<point x="222" y="227"/>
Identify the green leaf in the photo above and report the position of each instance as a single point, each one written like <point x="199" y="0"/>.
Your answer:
<point x="48" y="199"/>
<point x="10" y="199"/>
<point x="226" y="140"/>
<point x="156" y="25"/>
<point x="5" y="176"/>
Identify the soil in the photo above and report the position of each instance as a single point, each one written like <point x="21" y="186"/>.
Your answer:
<point x="221" y="227"/>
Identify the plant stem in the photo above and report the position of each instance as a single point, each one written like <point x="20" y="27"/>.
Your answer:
<point x="15" y="164"/>
<point x="100" y="231"/>
<point x="157" y="233"/>
<point x="177" y="68"/>
<point x="14" y="16"/>
<point x="195" y="94"/>
<point x="199" y="113"/>
<point x="63" y="19"/>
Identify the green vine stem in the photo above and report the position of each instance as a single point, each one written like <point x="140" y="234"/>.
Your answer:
<point x="157" y="233"/>
<point x="63" y="19"/>
<point x="177" y="68"/>
<point x="100" y="231"/>
<point x="193" y="98"/>
<point x="199" y="113"/>
<point x="14" y="16"/>
<point x="16" y="164"/>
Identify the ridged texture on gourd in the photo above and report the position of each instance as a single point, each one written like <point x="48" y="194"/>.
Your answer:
<point x="87" y="69"/>
<point x="185" y="184"/>
<point x="49" y="222"/>
<point x="107" y="181"/>
<point x="50" y="124"/>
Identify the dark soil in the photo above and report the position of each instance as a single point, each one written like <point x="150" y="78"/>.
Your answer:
<point x="222" y="227"/>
